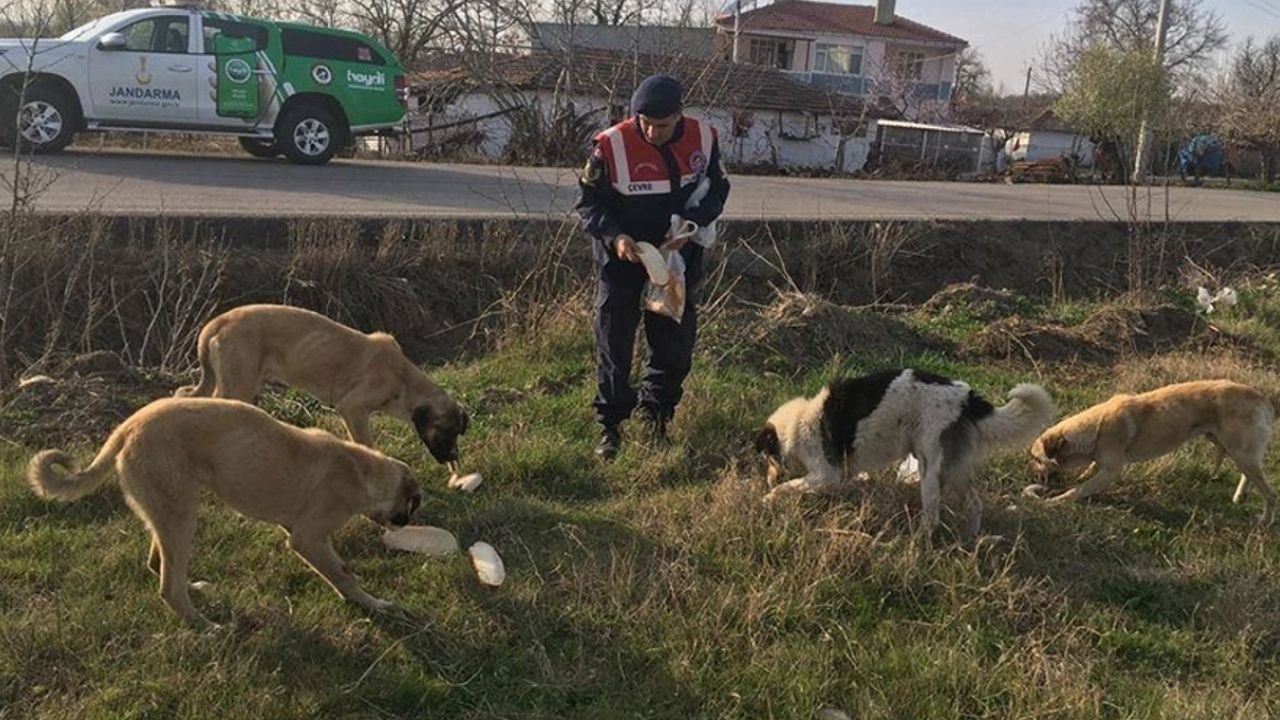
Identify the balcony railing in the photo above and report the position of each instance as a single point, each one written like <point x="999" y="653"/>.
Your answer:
<point x="859" y="85"/>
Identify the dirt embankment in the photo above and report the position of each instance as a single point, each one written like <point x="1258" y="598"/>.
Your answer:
<point x="142" y="289"/>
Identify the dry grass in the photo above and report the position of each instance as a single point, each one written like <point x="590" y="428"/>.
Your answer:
<point x="661" y="586"/>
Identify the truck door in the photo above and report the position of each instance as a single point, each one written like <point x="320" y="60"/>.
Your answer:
<point x="150" y="79"/>
<point x="234" y="75"/>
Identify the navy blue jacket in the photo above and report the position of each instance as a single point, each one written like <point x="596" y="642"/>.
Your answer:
<point x="606" y="213"/>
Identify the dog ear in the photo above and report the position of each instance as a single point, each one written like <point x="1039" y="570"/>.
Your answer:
<point x="767" y="442"/>
<point x="422" y="419"/>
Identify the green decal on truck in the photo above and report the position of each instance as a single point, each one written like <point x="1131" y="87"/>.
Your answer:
<point x="237" y="91"/>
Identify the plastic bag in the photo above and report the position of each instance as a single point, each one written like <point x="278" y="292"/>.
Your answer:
<point x="668" y="299"/>
<point x="706" y="235"/>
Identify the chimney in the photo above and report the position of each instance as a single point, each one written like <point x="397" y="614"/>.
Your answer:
<point x="884" y="12"/>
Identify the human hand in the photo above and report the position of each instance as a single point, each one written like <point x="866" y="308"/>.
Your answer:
<point x="626" y="249"/>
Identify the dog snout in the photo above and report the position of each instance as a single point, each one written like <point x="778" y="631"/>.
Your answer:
<point x="444" y="456"/>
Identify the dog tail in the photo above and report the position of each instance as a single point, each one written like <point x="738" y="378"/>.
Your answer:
<point x="67" y="484"/>
<point x="208" y="378"/>
<point x="1017" y="422"/>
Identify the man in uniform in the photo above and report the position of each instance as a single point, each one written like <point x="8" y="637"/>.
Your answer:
<point x="641" y="172"/>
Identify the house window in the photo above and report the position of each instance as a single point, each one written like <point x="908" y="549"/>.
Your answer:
<point x="837" y="59"/>
<point x="913" y="62"/>
<point x="771" y="52"/>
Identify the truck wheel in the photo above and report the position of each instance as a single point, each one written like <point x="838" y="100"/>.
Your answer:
<point x="309" y="134"/>
<point x="259" y="148"/>
<point x="45" y="120"/>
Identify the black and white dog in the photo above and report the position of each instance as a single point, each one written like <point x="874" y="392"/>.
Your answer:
<point x="866" y="423"/>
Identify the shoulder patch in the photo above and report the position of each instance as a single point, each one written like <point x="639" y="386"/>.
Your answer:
<point x="594" y="169"/>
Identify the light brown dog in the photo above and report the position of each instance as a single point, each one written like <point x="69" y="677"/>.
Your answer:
<point x="307" y="481"/>
<point x="357" y="374"/>
<point x="1131" y="428"/>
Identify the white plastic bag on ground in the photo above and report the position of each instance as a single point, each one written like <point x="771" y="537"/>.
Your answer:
<point x="1226" y="298"/>
<point x="1207" y="302"/>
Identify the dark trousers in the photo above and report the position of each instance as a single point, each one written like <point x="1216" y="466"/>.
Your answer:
<point x="618" y="315"/>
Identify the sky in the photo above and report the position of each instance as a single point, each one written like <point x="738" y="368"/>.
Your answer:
<point x="1010" y="33"/>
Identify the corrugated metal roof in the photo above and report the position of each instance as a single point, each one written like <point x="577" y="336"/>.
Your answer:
<point x="709" y="82"/>
<point x="651" y="40"/>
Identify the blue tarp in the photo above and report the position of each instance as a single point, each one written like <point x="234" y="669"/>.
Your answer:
<point x="1204" y="155"/>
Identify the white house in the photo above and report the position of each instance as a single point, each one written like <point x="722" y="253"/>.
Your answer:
<point x="764" y="118"/>
<point x="856" y="49"/>
<point x="1047" y="137"/>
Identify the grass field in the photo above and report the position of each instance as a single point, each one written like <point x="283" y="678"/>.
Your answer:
<point x="661" y="587"/>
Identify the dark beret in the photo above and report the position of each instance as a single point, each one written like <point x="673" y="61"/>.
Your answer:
<point x="657" y="96"/>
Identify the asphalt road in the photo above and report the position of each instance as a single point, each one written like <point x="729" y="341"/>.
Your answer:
<point x="176" y="184"/>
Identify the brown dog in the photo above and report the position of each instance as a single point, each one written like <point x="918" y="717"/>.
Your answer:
<point x="307" y="481"/>
<point x="357" y="374"/>
<point x="1131" y="428"/>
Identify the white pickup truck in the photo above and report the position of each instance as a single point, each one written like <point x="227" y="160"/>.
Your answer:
<point x="281" y="88"/>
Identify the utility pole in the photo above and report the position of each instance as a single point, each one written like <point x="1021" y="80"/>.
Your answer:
<point x="1142" y="158"/>
<point x="1026" y="89"/>
<point x="737" y="19"/>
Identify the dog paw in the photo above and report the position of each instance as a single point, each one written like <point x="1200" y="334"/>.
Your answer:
<point x="989" y="542"/>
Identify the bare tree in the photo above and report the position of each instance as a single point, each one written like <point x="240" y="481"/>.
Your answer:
<point x="1195" y="34"/>
<point x="615" y="12"/>
<point x="1250" y="100"/>
<point x="325" y="13"/>
<point x="252" y="8"/>
<point x="895" y="83"/>
<point x="408" y="27"/>
<point x="973" y="78"/>
<point x="486" y="26"/>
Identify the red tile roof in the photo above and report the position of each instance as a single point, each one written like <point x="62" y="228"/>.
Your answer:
<point x="835" y="18"/>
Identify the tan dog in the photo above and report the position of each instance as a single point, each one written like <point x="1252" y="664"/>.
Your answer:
<point x="307" y="481"/>
<point x="1131" y="428"/>
<point x="357" y="374"/>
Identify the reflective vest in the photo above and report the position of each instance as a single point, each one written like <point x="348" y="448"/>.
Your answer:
<point x="637" y="168"/>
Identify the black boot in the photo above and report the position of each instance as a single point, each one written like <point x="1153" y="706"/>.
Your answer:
<point x="655" y="424"/>
<point x="610" y="443"/>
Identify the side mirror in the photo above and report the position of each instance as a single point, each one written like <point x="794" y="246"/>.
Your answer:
<point x="112" y="41"/>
